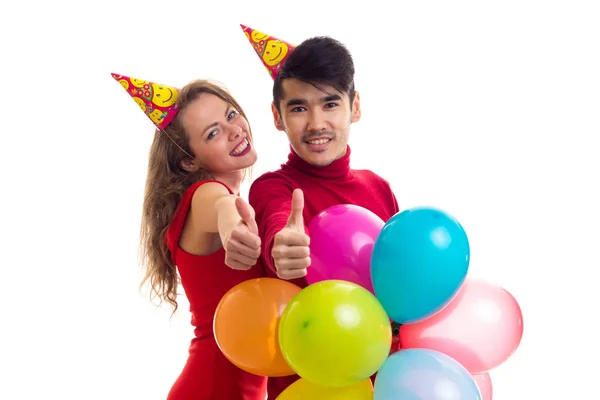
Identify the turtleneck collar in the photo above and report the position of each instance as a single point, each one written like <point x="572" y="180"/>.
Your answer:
<point x="338" y="170"/>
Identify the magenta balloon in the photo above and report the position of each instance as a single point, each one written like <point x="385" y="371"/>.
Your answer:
<point x="480" y="328"/>
<point x="341" y="242"/>
<point x="484" y="383"/>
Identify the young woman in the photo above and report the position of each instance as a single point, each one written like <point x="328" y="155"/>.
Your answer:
<point x="197" y="231"/>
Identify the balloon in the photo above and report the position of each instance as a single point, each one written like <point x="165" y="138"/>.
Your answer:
<point x="335" y="333"/>
<point x="419" y="261"/>
<point x="341" y="242"/>
<point x="480" y="328"/>
<point x="303" y="390"/>
<point x="246" y="325"/>
<point x="484" y="383"/>
<point x="421" y="374"/>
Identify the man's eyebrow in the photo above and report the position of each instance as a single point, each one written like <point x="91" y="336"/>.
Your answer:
<point x="331" y="97"/>
<point x="324" y="99"/>
<point x="295" y="102"/>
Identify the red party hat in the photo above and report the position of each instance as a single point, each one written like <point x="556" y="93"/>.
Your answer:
<point x="157" y="101"/>
<point x="272" y="51"/>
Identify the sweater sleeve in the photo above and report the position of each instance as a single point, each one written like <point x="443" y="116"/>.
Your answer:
<point x="388" y="196"/>
<point x="391" y="198"/>
<point x="395" y="206"/>
<point x="271" y="197"/>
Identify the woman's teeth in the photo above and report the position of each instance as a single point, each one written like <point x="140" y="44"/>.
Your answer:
<point x="240" y="147"/>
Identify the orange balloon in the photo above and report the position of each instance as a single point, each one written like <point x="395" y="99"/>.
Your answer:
<point x="246" y="325"/>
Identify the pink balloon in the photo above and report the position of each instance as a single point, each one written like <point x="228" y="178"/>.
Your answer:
<point x="480" y="328"/>
<point x="484" y="383"/>
<point x="341" y="243"/>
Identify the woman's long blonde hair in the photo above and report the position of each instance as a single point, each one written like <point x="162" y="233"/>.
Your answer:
<point x="166" y="183"/>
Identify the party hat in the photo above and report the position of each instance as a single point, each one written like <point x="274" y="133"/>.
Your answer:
<point x="157" y="101"/>
<point x="272" y="51"/>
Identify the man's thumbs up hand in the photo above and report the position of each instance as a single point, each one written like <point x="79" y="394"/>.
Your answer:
<point x="295" y="220"/>
<point x="290" y="252"/>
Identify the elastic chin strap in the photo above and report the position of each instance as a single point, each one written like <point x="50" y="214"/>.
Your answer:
<point x="178" y="146"/>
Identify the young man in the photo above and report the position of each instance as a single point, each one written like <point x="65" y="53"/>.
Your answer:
<point x="314" y="103"/>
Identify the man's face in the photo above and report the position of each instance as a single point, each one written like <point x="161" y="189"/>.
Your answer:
<point x="316" y="121"/>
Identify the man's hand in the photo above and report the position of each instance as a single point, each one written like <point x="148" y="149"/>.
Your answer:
<point x="290" y="252"/>
<point x="242" y="247"/>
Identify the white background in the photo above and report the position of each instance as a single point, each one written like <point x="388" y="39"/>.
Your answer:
<point x="489" y="110"/>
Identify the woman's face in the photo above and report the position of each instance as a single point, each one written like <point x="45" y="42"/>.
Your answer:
<point x="218" y="135"/>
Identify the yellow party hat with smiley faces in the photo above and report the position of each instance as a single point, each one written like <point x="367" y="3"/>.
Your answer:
<point x="272" y="51"/>
<point x="157" y="101"/>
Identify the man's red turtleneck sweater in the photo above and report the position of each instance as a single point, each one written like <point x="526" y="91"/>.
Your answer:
<point x="323" y="187"/>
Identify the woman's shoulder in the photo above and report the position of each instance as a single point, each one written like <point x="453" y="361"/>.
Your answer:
<point x="207" y="187"/>
<point x="197" y="202"/>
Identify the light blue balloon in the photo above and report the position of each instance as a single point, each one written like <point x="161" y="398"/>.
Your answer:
<point x="419" y="261"/>
<point x="421" y="374"/>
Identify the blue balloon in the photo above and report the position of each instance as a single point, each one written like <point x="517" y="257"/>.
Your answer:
<point x="419" y="261"/>
<point x="422" y="374"/>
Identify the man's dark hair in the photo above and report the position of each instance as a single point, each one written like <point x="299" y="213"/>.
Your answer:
<point x="319" y="61"/>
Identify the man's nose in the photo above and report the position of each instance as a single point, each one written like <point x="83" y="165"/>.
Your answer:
<point x="317" y="121"/>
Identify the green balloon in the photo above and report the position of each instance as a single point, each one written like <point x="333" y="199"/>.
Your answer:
<point x="335" y="333"/>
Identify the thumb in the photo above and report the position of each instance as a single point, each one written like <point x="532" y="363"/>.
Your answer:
<point x="243" y="209"/>
<point x="295" y="219"/>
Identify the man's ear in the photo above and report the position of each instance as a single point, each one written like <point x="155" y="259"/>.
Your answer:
<point x="356" y="108"/>
<point x="190" y="165"/>
<point x="277" y="118"/>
